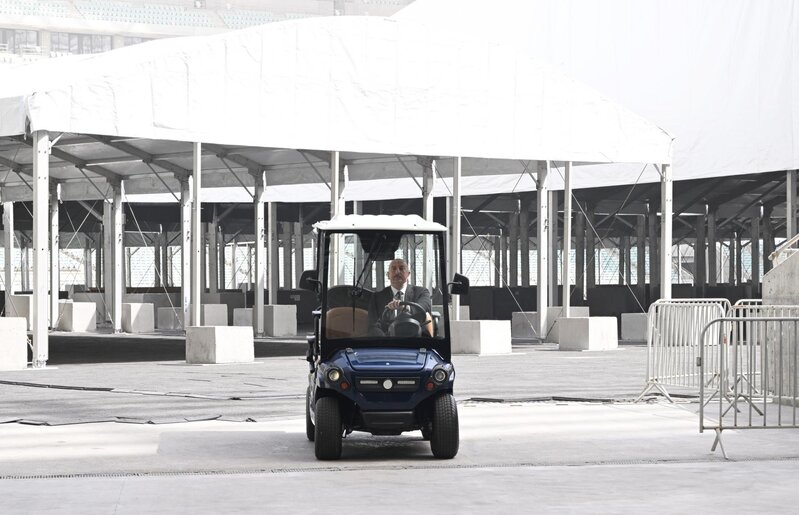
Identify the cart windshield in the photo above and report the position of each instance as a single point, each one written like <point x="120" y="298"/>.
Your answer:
<point x="383" y="285"/>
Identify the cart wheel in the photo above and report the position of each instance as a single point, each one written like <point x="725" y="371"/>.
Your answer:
<point x="327" y="437"/>
<point x="444" y="440"/>
<point x="309" y="427"/>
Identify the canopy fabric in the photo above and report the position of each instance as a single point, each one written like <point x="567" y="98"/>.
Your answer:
<point x="720" y="74"/>
<point x="357" y="84"/>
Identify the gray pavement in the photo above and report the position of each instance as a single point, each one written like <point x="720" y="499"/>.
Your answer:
<point x="541" y="431"/>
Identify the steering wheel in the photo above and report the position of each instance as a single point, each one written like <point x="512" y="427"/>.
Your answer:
<point x="418" y="313"/>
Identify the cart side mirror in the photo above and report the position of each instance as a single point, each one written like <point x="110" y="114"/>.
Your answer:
<point x="459" y="285"/>
<point x="309" y="281"/>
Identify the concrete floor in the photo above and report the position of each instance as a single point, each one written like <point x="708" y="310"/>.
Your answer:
<point x="165" y="437"/>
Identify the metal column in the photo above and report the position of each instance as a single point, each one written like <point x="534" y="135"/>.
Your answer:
<point x="567" y="238"/>
<point x="117" y="256"/>
<point x="299" y="252"/>
<point x="197" y="245"/>
<point x="579" y="260"/>
<point x="543" y="247"/>
<point x="590" y="249"/>
<point x="712" y="245"/>
<point x="552" y="247"/>
<point x="700" y="262"/>
<point x="260" y="254"/>
<point x="272" y="251"/>
<point x="524" y="238"/>
<point x="666" y="210"/>
<point x="654" y="268"/>
<point x="55" y="283"/>
<point x="640" y="258"/>
<point x="755" y="248"/>
<point x="455" y="220"/>
<point x="288" y="276"/>
<point x="8" y="243"/>
<point x="428" y="183"/>
<point x="790" y="204"/>
<point x="185" y="251"/>
<point x="336" y="208"/>
<point x="513" y="247"/>
<point x="41" y="190"/>
<point x="213" y="253"/>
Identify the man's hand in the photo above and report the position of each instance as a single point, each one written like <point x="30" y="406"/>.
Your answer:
<point x="394" y="304"/>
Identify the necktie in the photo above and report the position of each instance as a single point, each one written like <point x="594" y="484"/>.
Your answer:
<point x="398" y="297"/>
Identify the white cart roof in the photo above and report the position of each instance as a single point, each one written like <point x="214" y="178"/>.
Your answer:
<point x="409" y="223"/>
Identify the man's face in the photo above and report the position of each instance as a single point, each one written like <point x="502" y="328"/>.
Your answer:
<point x="398" y="273"/>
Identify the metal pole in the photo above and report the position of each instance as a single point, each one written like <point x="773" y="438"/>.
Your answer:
<point x="513" y="247"/>
<point x="428" y="183"/>
<point x="755" y="249"/>
<point x="524" y="238"/>
<point x="87" y="264"/>
<point x="455" y="253"/>
<point x="567" y="238"/>
<point x="118" y="255"/>
<point x="272" y="253"/>
<point x="8" y="242"/>
<point x="335" y="210"/>
<point x="55" y="284"/>
<point x="543" y="247"/>
<point x="41" y="190"/>
<point x="287" y="230"/>
<point x="213" y="253"/>
<point x="552" y="243"/>
<point x="666" y="210"/>
<point x="299" y="252"/>
<point x="185" y="251"/>
<point x="108" y="260"/>
<point x="196" y="238"/>
<point x="712" y="244"/>
<point x="260" y="254"/>
<point x="790" y="204"/>
<point x="640" y="258"/>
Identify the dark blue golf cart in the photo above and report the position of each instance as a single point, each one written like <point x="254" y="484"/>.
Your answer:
<point x="384" y="373"/>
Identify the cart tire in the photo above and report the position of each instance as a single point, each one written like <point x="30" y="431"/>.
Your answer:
<point x="445" y="440"/>
<point x="327" y="435"/>
<point x="309" y="427"/>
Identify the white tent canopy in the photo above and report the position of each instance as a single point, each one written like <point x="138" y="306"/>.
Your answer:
<point x="361" y="85"/>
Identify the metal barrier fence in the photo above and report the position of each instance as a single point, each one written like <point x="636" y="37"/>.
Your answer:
<point x="673" y="330"/>
<point x="754" y="359"/>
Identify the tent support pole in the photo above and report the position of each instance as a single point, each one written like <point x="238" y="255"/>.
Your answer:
<point x="185" y="250"/>
<point x="287" y="228"/>
<point x="273" y="251"/>
<point x="117" y="256"/>
<point x="524" y="237"/>
<point x="196" y="236"/>
<point x="335" y="210"/>
<point x="41" y="190"/>
<point x="299" y="251"/>
<point x="543" y="252"/>
<point x="567" y="238"/>
<point x="790" y="205"/>
<point x="213" y="253"/>
<point x="55" y="284"/>
<point x="428" y="183"/>
<point x="455" y="239"/>
<point x="8" y="242"/>
<point x="666" y="210"/>
<point x="260" y="254"/>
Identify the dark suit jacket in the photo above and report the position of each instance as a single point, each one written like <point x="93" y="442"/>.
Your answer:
<point x="417" y="294"/>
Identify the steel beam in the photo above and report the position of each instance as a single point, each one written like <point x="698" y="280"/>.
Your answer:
<point x="260" y="254"/>
<point x="196" y="237"/>
<point x="55" y="283"/>
<point x="542" y="186"/>
<point x="666" y="208"/>
<point x="41" y="191"/>
<point x="455" y="219"/>
<point x="8" y="244"/>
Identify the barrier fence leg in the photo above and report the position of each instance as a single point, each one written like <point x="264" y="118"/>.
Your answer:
<point x="718" y="442"/>
<point x="654" y="384"/>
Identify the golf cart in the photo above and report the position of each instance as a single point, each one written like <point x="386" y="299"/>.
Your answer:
<point x="384" y="374"/>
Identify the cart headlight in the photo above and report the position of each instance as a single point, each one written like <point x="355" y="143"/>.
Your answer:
<point x="439" y="375"/>
<point x="333" y="375"/>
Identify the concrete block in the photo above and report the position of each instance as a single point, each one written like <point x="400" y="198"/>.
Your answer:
<point x="242" y="317"/>
<point x="280" y="320"/>
<point x="79" y="317"/>
<point x="214" y="314"/>
<point x="589" y="333"/>
<point x="13" y="343"/>
<point x="219" y="344"/>
<point x="633" y="326"/>
<point x="138" y="317"/>
<point x="20" y="306"/>
<point x="170" y="318"/>
<point x="555" y="313"/>
<point x="480" y="336"/>
<point x="464" y="311"/>
<point x="524" y="324"/>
